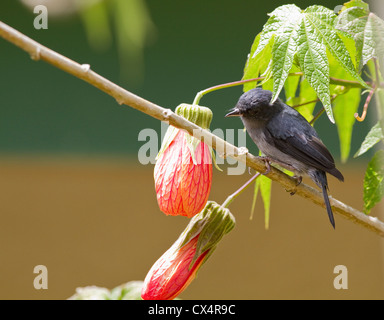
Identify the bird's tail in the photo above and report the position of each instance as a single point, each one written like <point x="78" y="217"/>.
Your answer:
<point x="328" y="205"/>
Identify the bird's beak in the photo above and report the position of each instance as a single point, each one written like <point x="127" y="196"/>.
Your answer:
<point x="233" y="113"/>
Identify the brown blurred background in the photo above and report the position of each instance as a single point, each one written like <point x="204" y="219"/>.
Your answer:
<point x="98" y="223"/>
<point x="75" y="198"/>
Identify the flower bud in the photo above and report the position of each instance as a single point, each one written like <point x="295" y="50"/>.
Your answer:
<point x="178" y="266"/>
<point x="183" y="170"/>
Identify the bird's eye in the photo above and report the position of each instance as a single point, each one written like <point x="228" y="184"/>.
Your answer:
<point x="254" y="111"/>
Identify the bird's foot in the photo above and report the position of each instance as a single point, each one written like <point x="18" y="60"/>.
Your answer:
<point x="298" y="181"/>
<point x="267" y="162"/>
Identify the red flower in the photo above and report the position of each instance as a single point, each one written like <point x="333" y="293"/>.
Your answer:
<point x="178" y="266"/>
<point x="182" y="187"/>
<point x="171" y="274"/>
<point x="183" y="171"/>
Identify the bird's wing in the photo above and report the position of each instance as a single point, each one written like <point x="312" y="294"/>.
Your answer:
<point x="299" y="141"/>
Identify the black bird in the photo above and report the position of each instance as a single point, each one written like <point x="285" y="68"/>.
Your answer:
<point x="284" y="136"/>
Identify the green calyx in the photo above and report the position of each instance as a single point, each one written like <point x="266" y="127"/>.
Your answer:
<point x="211" y="224"/>
<point x="202" y="116"/>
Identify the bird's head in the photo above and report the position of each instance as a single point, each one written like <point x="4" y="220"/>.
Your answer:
<point x="254" y="103"/>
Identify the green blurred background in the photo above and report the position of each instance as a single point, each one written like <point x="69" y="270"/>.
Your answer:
<point x="74" y="196"/>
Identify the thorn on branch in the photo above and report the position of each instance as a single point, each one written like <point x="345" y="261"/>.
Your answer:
<point x="235" y="152"/>
<point x="119" y="100"/>
<point x="36" y="54"/>
<point x="167" y="113"/>
<point x="85" y="67"/>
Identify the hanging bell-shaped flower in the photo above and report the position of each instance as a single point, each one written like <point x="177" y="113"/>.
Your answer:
<point x="178" y="266"/>
<point x="183" y="170"/>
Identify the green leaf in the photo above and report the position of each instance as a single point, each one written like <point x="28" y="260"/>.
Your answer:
<point x="263" y="184"/>
<point x="323" y="21"/>
<point x="265" y="190"/>
<point x="127" y="291"/>
<point x="374" y="181"/>
<point x="290" y="86"/>
<point x="356" y="3"/>
<point x="256" y="65"/>
<point x="374" y="136"/>
<point x="268" y="85"/>
<point x="90" y="293"/>
<point x="344" y="108"/>
<point x="252" y="66"/>
<point x="314" y="63"/>
<point x="284" y="49"/>
<point x="350" y="46"/>
<point x="97" y="26"/>
<point x="305" y="36"/>
<point x="346" y="103"/>
<point x="375" y="73"/>
<point x="277" y="21"/>
<point x="367" y="29"/>
<point x="306" y="94"/>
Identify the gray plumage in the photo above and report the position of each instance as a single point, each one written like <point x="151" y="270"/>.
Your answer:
<point x="285" y="136"/>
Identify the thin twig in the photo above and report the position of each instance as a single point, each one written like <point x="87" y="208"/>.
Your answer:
<point x="377" y="72"/>
<point x="200" y="94"/>
<point x="379" y="102"/>
<point x="375" y="85"/>
<point x="305" y="103"/>
<point x="233" y="196"/>
<point x="366" y="104"/>
<point x="348" y="83"/>
<point x="122" y="96"/>
<point x="321" y="111"/>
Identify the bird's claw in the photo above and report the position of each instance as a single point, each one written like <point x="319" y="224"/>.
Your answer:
<point x="267" y="165"/>
<point x="298" y="181"/>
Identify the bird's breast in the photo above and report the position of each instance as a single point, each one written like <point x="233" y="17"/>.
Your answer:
<point x="265" y="143"/>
